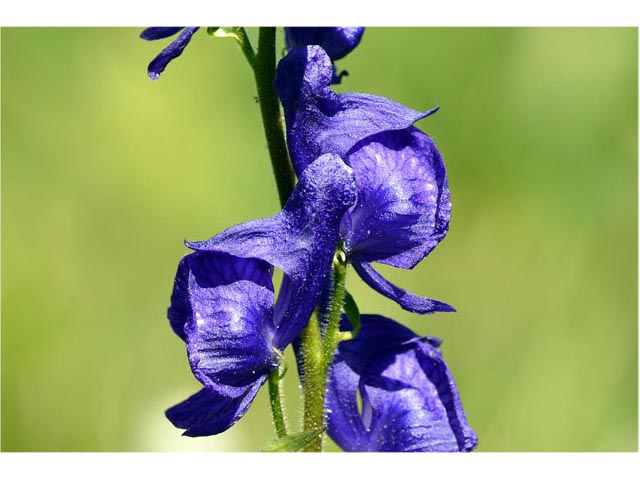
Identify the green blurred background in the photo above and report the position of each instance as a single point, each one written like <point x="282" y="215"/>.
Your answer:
<point x="105" y="173"/>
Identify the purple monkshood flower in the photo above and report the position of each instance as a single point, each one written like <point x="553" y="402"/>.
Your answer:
<point x="223" y="303"/>
<point x="403" y="208"/>
<point x="410" y="402"/>
<point x="174" y="50"/>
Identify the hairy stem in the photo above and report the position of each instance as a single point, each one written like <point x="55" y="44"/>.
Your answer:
<point x="314" y="381"/>
<point x="336" y="303"/>
<point x="317" y="352"/>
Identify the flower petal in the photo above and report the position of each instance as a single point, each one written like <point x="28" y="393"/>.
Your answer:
<point x="209" y="413"/>
<point x="406" y="300"/>
<point x="336" y="41"/>
<point x="320" y="121"/>
<point x="174" y="50"/>
<point x="409" y="398"/>
<point x="211" y="269"/>
<point x="229" y="340"/>
<point x="300" y="241"/>
<point x="156" y="33"/>
<point x="403" y="207"/>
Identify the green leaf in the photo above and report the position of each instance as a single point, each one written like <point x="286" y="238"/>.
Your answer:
<point x="353" y="313"/>
<point x="293" y="443"/>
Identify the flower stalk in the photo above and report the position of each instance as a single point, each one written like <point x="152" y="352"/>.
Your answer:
<point x="263" y="64"/>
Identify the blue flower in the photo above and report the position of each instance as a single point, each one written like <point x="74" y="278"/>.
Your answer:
<point x="223" y="303"/>
<point x="410" y="402"/>
<point x="175" y="48"/>
<point x="336" y="41"/>
<point x="403" y="208"/>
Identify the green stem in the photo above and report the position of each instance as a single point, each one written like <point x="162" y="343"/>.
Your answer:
<point x="314" y="381"/>
<point x="336" y="303"/>
<point x="275" y="399"/>
<point x="265" y="71"/>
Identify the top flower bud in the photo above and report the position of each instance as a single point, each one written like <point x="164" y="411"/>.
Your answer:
<point x="336" y="41"/>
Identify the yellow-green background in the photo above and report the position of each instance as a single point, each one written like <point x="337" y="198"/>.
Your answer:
<point x="105" y="173"/>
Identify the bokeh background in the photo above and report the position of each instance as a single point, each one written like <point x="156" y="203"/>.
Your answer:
<point x="105" y="173"/>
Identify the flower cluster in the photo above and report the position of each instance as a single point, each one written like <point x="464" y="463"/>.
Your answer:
<point x="374" y="185"/>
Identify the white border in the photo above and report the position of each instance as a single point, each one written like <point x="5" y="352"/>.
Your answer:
<point x="295" y="466"/>
<point x="325" y="12"/>
<point x="320" y="12"/>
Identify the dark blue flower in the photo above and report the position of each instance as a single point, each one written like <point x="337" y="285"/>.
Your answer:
<point x="223" y="305"/>
<point x="175" y="48"/>
<point x="410" y="402"/>
<point x="403" y="206"/>
<point x="336" y="41"/>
